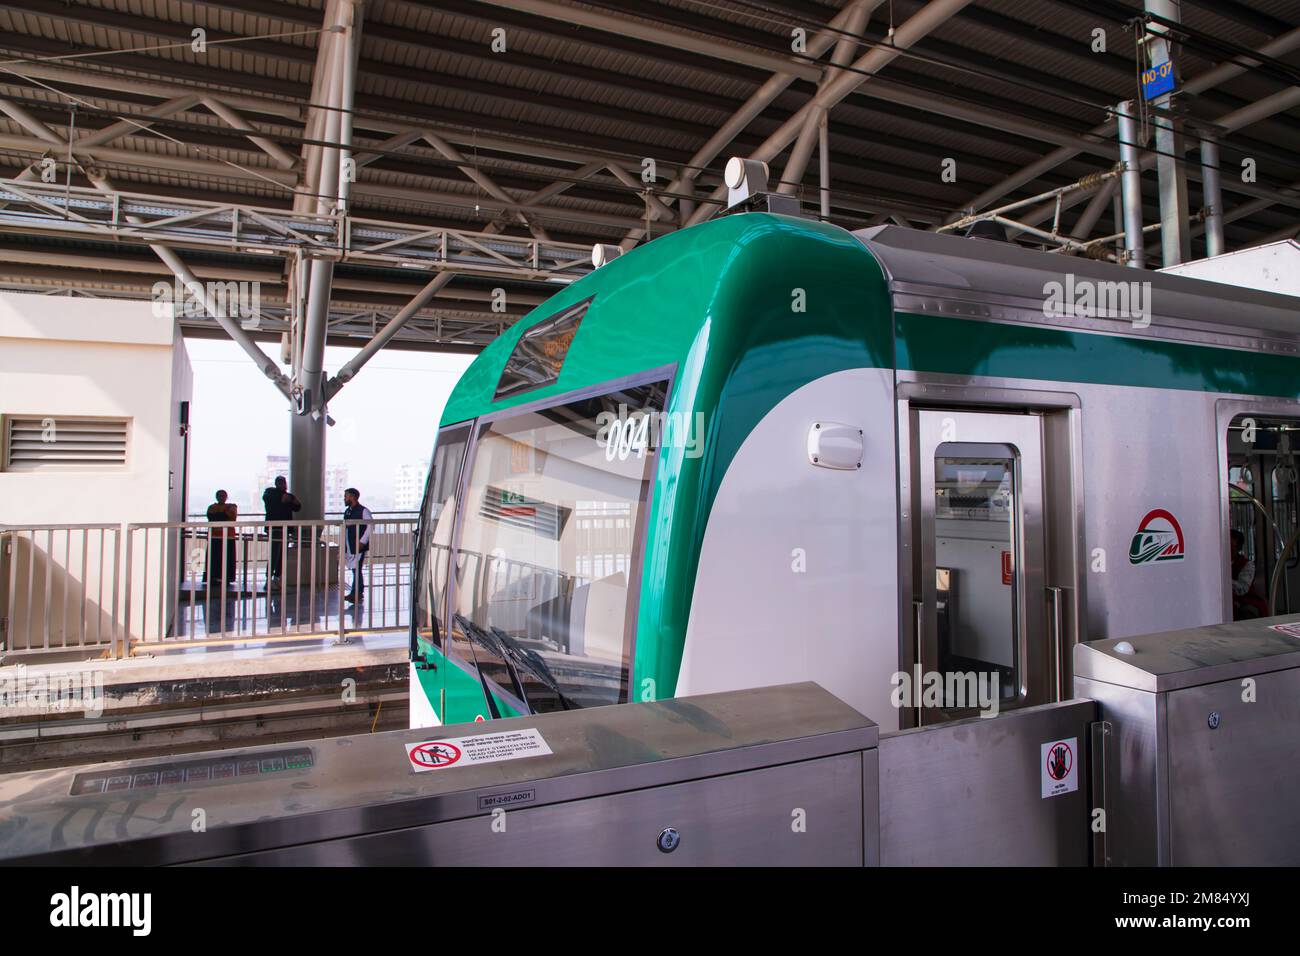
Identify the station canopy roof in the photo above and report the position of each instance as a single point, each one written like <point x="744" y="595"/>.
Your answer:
<point x="506" y="137"/>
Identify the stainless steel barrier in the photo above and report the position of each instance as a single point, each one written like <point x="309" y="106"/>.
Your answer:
<point x="982" y="791"/>
<point x="59" y="588"/>
<point x="777" y="775"/>
<point x="1203" y="768"/>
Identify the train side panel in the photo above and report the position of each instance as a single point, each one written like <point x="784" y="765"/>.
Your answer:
<point x="798" y="572"/>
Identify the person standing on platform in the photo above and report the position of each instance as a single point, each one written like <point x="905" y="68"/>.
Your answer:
<point x="358" y="542"/>
<point x="221" y="542"/>
<point x="280" y="506"/>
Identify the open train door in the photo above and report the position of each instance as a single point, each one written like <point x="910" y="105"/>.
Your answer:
<point x="986" y="630"/>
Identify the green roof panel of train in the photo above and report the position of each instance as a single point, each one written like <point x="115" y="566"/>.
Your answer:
<point x="747" y="308"/>
<point x="726" y="286"/>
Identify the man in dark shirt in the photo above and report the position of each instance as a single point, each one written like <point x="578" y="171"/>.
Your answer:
<point x="358" y="542"/>
<point x="280" y="506"/>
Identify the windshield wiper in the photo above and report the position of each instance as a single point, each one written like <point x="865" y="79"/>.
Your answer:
<point x="534" y="663"/>
<point x="467" y="627"/>
<point x="492" y="645"/>
<point x="515" y="656"/>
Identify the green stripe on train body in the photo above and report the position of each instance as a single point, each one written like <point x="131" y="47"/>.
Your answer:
<point x="958" y="346"/>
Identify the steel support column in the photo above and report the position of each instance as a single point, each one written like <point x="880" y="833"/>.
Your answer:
<point x="307" y="463"/>
<point x="1227" y="123"/>
<point x="824" y="162"/>
<point x="1175" y="213"/>
<point x="1211" y="196"/>
<point x="1131" y="185"/>
<point x="337" y="57"/>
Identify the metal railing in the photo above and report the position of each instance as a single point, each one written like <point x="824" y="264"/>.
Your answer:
<point x="226" y="582"/>
<point x="66" y="588"/>
<point x="160" y="585"/>
<point x="59" y="588"/>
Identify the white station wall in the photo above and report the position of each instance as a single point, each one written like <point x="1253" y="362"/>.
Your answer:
<point x="73" y="356"/>
<point x="65" y="356"/>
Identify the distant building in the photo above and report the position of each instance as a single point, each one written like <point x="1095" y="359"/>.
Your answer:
<point x="275" y="465"/>
<point x="408" y="486"/>
<point x="336" y="479"/>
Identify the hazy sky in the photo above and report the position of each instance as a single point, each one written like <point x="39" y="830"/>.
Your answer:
<point x="385" y="417"/>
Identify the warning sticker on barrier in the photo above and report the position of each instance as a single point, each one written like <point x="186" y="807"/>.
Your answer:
<point x="483" y="748"/>
<point x="1059" y="771"/>
<point x="1291" y="630"/>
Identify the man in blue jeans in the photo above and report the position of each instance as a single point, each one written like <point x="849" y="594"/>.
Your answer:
<point x="357" y="540"/>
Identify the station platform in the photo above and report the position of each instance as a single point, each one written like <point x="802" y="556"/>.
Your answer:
<point x="200" y="697"/>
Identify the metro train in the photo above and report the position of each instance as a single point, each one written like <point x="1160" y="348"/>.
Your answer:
<point x="765" y="449"/>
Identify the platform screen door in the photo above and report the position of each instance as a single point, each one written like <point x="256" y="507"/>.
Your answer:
<point x="980" y="616"/>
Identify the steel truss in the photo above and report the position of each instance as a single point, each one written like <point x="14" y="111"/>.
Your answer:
<point x="54" y="209"/>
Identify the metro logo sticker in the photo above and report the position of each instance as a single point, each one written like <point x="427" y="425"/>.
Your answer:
<point x="484" y="748"/>
<point x="1158" y="538"/>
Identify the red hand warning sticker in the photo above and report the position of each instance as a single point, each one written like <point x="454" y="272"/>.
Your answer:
<point x="1006" y="567"/>
<point x="1059" y="773"/>
<point x="483" y="748"/>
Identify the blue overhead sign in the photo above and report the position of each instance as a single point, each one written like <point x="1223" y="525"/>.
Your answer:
<point x="1158" y="80"/>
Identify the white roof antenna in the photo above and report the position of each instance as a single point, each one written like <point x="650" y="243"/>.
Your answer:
<point x="744" y="178"/>
<point x="602" y="253"/>
<point x="747" y="191"/>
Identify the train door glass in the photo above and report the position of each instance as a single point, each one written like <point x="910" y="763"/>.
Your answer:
<point x="978" y="576"/>
<point x="1263" y="553"/>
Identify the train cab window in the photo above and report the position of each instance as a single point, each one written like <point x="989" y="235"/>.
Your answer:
<point x="548" y="553"/>
<point x="433" y="547"/>
<point x="976" y="558"/>
<point x="539" y="354"/>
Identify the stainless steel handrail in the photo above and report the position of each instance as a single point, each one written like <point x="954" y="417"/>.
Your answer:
<point x="1055" y="596"/>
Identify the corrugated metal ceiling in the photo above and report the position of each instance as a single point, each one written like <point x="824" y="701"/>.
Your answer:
<point x="578" y="91"/>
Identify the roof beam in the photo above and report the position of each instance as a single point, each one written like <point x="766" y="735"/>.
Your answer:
<point x="841" y="56"/>
<point x="663" y="36"/>
<point x="234" y="120"/>
<point x="930" y="17"/>
<point x="168" y="33"/>
<point x="395" y="325"/>
<point x="1208" y="80"/>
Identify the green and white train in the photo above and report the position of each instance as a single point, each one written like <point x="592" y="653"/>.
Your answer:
<point x="765" y="449"/>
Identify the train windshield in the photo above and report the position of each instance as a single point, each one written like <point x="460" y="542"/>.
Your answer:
<point x="544" y="591"/>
